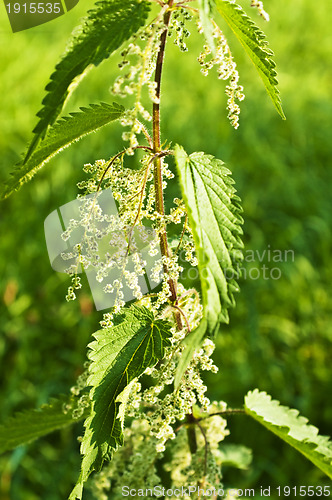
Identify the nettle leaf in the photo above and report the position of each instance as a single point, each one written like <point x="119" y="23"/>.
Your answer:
<point x="214" y="215"/>
<point x="64" y="132"/>
<point x="28" y="425"/>
<point x="254" y="43"/>
<point x="191" y="342"/>
<point x="291" y="427"/>
<point x="235" y="455"/>
<point x="106" y="27"/>
<point x="119" y="355"/>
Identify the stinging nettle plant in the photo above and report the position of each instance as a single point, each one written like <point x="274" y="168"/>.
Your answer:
<point x="130" y="428"/>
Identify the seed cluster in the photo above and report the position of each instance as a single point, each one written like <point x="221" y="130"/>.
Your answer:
<point x="186" y="468"/>
<point x="260" y="7"/>
<point x="138" y="65"/>
<point x="178" y="29"/>
<point x="108" y="239"/>
<point x="226" y="70"/>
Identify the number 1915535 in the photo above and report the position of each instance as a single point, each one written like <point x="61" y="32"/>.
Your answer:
<point x="33" y="8"/>
<point x="304" y="491"/>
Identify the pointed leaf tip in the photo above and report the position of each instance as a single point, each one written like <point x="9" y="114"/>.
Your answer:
<point x="255" y="44"/>
<point x="66" y="131"/>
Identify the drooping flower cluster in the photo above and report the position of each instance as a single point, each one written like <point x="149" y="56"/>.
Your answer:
<point x="120" y="234"/>
<point x="80" y="399"/>
<point x="204" y="466"/>
<point x="260" y="7"/>
<point x="138" y="66"/>
<point x="178" y="28"/>
<point x="108" y="225"/>
<point x="226" y="70"/>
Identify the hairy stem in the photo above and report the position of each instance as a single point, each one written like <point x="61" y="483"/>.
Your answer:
<point x="191" y="433"/>
<point x="159" y="194"/>
<point x="225" y="413"/>
<point x="158" y="182"/>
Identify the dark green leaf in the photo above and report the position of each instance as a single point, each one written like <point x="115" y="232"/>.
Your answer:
<point x="64" y="132"/>
<point x="106" y="27"/>
<point x="29" y="425"/>
<point x="119" y="355"/>
<point x="254" y="42"/>
<point x="235" y="455"/>
<point x="291" y="427"/>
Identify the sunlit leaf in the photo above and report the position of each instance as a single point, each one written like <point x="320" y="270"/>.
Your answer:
<point x="106" y="27"/>
<point x="214" y="215"/>
<point x="291" y="427"/>
<point x="64" y="132"/>
<point x="254" y="43"/>
<point x="119" y="354"/>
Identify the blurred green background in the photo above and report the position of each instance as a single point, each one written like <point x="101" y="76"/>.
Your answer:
<point x="280" y="334"/>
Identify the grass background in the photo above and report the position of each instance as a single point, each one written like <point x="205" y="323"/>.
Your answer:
<point x="280" y="334"/>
